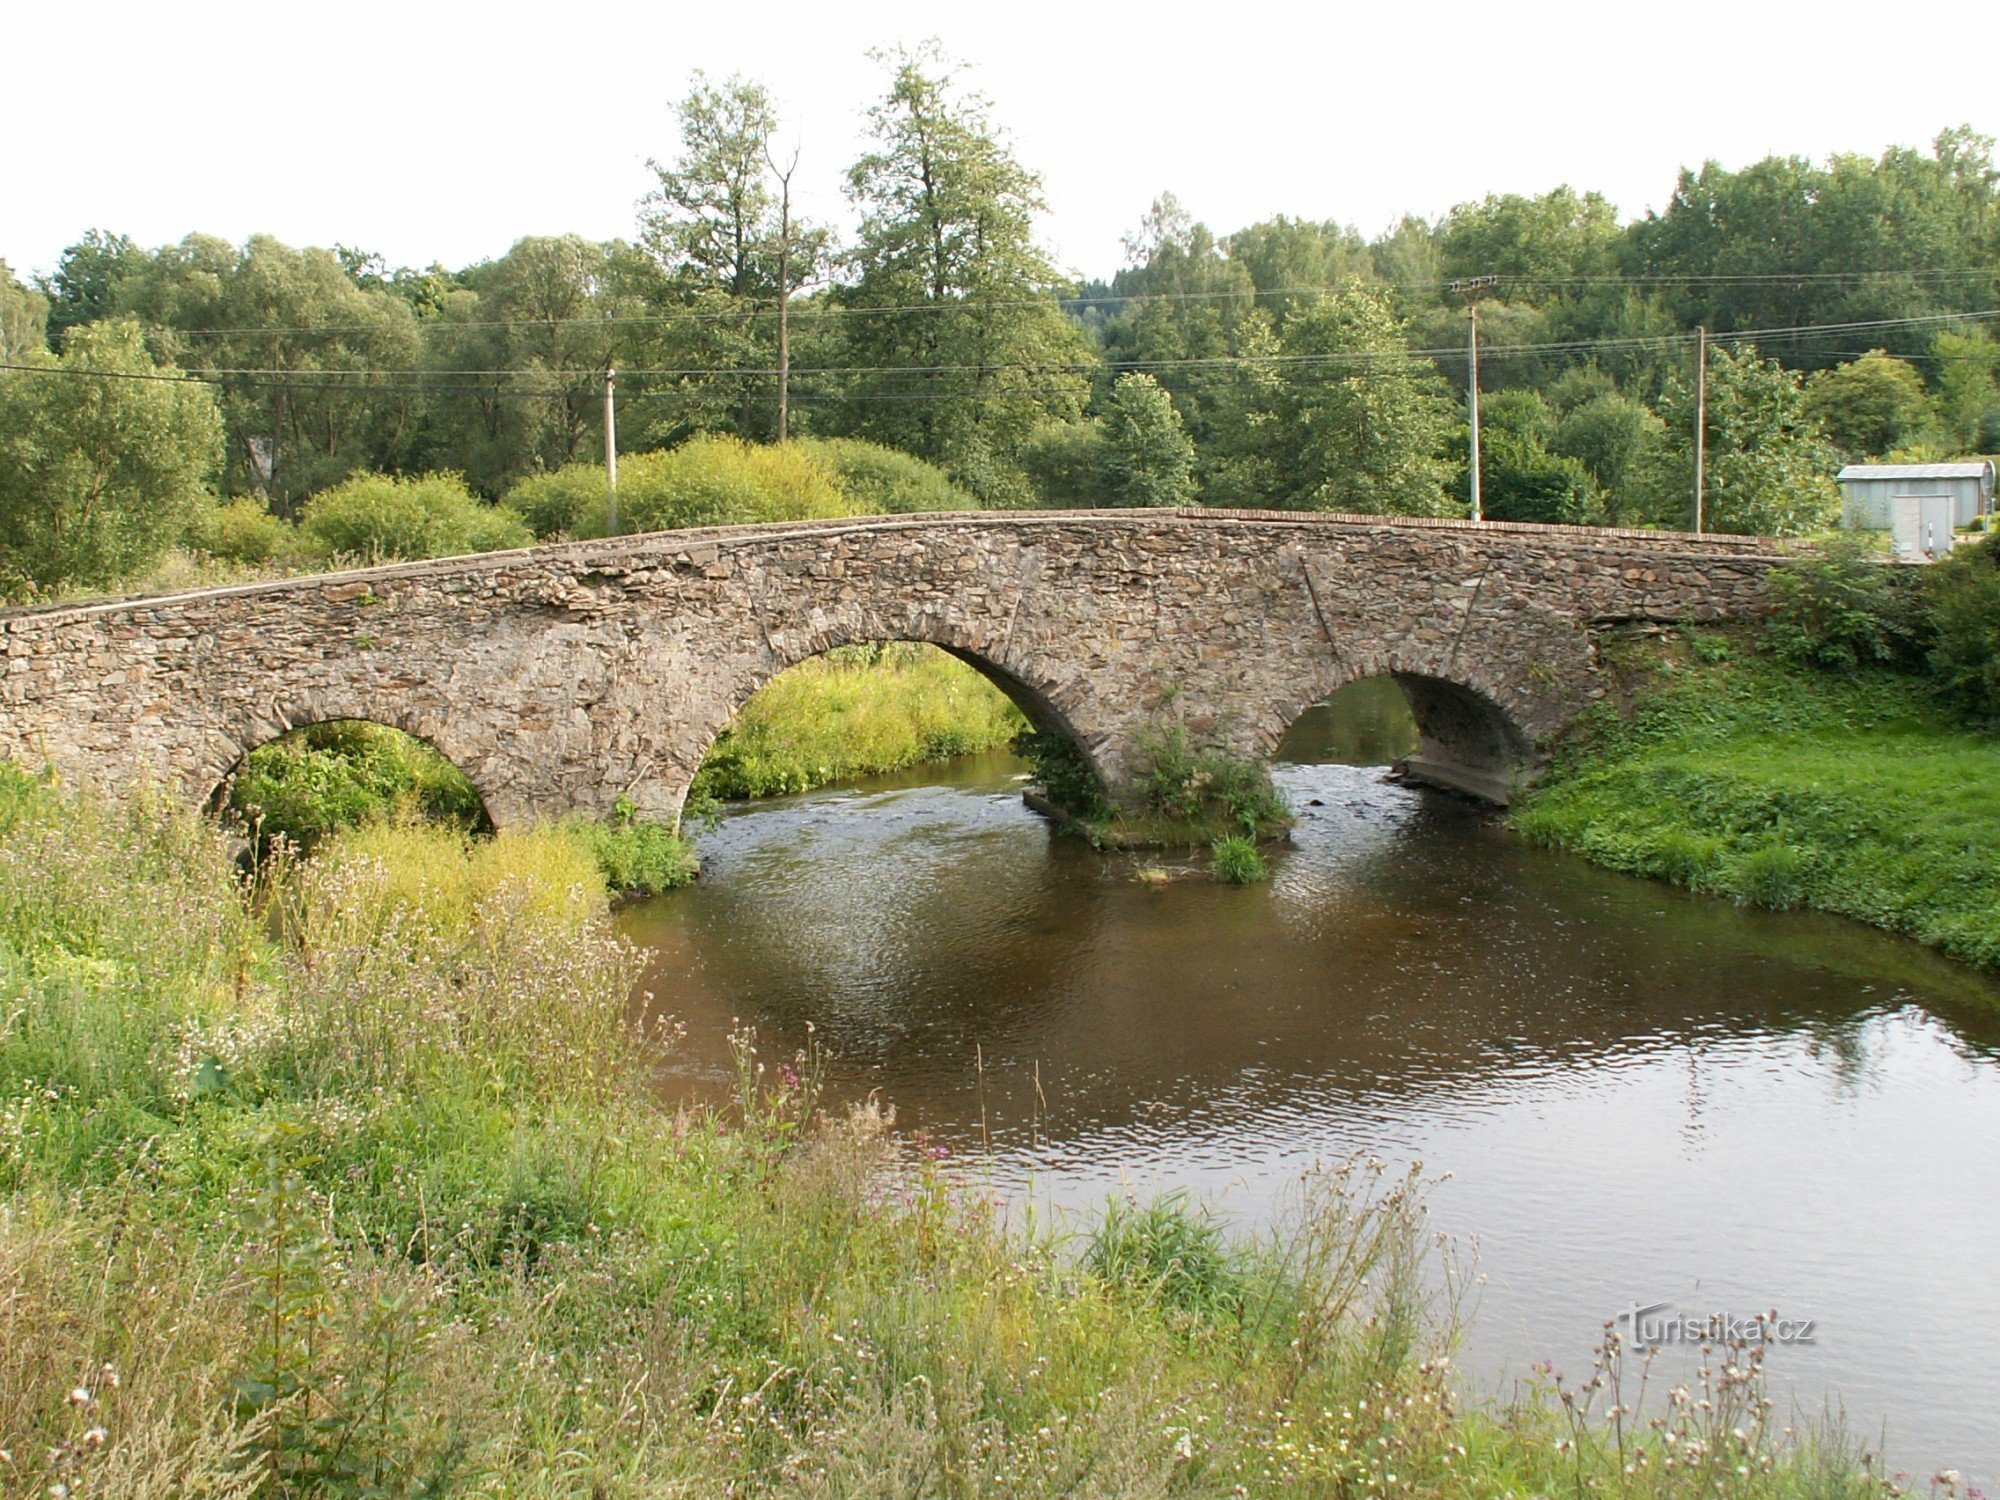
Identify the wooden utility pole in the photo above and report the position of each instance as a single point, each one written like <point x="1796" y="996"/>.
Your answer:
<point x="784" y="290"/>
<point x="1700" y="425"/>
<point x="1472" y="398"/>
<point x="1470" y="286"/>
<point x="610" y="452"/>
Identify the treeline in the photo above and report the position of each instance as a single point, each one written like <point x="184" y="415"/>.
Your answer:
<point x="1291" y="363"/>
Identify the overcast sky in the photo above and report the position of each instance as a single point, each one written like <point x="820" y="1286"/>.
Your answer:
<point x="432" y="132"/>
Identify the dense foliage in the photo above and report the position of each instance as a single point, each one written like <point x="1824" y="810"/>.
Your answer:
<point x="1289" y="363"/>
<point x="98" y="476"/>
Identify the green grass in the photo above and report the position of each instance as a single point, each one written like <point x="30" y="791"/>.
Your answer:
<point x="856" y="711"/>
<point x="357" y="1182"/>
<point x="1782" y="787"/>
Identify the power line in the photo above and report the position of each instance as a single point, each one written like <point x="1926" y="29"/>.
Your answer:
<point x="555" y="384"/>
<point x="768" y="307"/>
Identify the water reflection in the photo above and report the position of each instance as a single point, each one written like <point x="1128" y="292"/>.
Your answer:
<point x="1640" y="1095"/>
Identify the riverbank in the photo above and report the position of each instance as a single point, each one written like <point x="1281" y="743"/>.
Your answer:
<point x="1721" y="769"/>
<point x="856" y="711"/>
<point x="359" y="1183"/>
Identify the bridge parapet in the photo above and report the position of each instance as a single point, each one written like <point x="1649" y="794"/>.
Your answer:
<point x="563" y="677"/>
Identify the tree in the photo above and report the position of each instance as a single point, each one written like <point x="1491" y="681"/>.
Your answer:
<point x="309" y="363"/>
<point x="953" y="323"/>
<point x="1189" y="312"/>
<point x="1520" y="478"/>
<point x="1769" y="465"/>
<point x="721" y="227"/>
<point x="24" y="318"/>
<point x="88" y="279"/>
<point x="103" y="457"/>
<point x="1869" y="405"/>
<point x="1614" y="438"/>
<point x="1149" y="457"/>
<point x="1968" y="382"/>
<point x="1360" y="424"/>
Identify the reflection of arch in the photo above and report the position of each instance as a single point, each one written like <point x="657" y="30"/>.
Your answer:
<point x="236" y="747"/>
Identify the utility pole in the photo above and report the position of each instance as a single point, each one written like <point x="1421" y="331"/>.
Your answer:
<point x="1700" y="425"/>
<point x="1468" y="287"/>
<point x="611" y="452"/>
<point x="784" y="290"/>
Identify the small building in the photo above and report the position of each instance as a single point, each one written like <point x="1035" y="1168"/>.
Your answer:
<point x="1920" y="505"/>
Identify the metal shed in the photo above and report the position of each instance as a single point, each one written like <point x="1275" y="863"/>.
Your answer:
<point x="1920" y="505"/>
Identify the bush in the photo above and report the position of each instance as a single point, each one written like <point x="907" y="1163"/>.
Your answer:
<point x="635" y="857"/>
<point x="1963" y="600"/>
<point x="878" y="480"/>
<point x="1237" y="860"/>
<point x="243" y="531"/>
<point x="556" y="503"/>
<point x="1065" y="774"/>
<point x="1186" y="785"/>
<point x="1171" y="1252"/>
<point x="380" y="517"/>
<point x="1842" y="608"/>
<point x="326" y="777"/>
<point x="855" y="711"/>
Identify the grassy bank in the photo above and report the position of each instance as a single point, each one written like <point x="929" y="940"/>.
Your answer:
<point x="1722" y="769"/>
<point x="358" y="1184"/>
<point x="856" y="711"/>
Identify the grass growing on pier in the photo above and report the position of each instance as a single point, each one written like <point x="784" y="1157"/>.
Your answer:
<point x="1731" y="773"/>
<point x="359" y="1184"/>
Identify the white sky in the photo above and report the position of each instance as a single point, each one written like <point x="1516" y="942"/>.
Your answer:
<point x="438" y="132"/>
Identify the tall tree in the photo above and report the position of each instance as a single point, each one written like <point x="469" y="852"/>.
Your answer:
<point x="1360" y="424"/>
<point x="24" y="317"/>
<point x="313" y="367"/>
<point x="87" y="279"/>
<point x="1769" y="466"/>
<point x="731" y="254"/>
<point x="953" y="316"/>
<point x="1149" y="457"/>
<point x="103" y="457"/>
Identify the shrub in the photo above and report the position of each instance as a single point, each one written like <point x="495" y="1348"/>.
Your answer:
<point x="635" y="857"/>
<point x="1187" y="785"/>
<point x="377" y="517"/>
<point x="1842" y="608"/>
<point x="1066" y="776"/>
<point x="1237" y="860"/>
<point x="1962" y="595"/>
<point x="556" y="503"/>
<point x="326" y="777"/>
<point x="1171" y="1252"/>
<point x="878" y="480"/>
<point x="855" y="711"/>
<point x="243" y="531"/>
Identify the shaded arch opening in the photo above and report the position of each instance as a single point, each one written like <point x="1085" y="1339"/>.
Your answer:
<point x="868" y="708"/>
<point x="1431" y="730"/>
<point x="318" y="777"/>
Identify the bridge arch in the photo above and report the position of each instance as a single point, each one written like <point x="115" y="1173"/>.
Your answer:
<point x="239" y="735"/>
<point x="459" y="797"/>
<point x="1038" y="698"/>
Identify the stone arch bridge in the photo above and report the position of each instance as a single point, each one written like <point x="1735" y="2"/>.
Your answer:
<point x="562" y="678"/>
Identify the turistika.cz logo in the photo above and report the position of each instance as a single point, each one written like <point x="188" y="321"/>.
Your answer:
<point x="1655" y="1326"/>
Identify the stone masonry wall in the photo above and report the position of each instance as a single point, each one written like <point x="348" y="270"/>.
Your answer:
<point x="560" y="677"/>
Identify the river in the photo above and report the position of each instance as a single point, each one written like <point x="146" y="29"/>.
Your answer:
<point x="1633" y="1096"/>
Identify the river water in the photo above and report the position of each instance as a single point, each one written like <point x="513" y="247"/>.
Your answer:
<point x="1633" y="1096"/>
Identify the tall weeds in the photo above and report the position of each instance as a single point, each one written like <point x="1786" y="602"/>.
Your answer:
<point x="356" y="1184"/>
